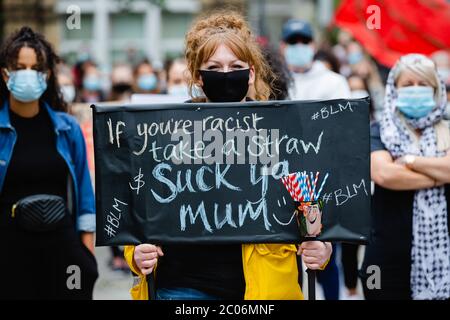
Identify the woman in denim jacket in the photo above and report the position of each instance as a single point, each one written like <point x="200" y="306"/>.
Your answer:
<point x="42" y="152"/>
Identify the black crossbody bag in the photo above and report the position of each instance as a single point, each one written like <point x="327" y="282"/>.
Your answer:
<point x="41" y="212"/>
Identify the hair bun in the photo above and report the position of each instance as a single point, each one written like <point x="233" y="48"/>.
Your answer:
<point x="26" y="33"/>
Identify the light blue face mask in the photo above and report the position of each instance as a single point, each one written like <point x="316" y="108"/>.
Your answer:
<point x="415" y="101"/>
<point x="26" y="85"/>
<point x="147" y="82"/>
<point x="178" y="90"/>
<point x="299" y="55"/>
<point x="92" y="83"/>
<point x="355" y="57"/>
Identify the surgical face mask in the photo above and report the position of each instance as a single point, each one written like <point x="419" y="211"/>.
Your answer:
<point x="299" y="55"/>
<point x="355" y="57"/>
<point x="415" y="101"/>
<point x="225" y="86"/>
<point x="180" y="90"/>
<point x="356" y="94"/>
<point x="68" y="92"/>
<point x="27" y="85"/>
<point x="92" y="83"/>
<point x="147" y="82"/>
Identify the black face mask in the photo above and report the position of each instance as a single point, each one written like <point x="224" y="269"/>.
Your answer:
<point x="121" y="87"/>
<point x="225" y="86"/>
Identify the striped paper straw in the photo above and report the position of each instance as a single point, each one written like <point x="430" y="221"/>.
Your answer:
<point x="315" y="184"/>
<point x="287" y="186"/>
<point x="308" y="186"/>
<point x="321" y="187"/>
<point x="302" y="187"/>
<point x="296" y="186"/>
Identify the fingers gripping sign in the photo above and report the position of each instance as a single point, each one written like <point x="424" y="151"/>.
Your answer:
<point x="146" y="256"/>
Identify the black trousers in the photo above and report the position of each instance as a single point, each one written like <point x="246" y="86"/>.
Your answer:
<point x="45" y="265"/>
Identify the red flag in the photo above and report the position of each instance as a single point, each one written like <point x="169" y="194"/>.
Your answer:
<point x="390" y="29"/>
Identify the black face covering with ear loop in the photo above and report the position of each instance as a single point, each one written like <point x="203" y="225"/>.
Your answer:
<point x="225" y="86"/>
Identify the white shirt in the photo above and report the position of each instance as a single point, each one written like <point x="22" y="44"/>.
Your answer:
<point x="319" y="83"/>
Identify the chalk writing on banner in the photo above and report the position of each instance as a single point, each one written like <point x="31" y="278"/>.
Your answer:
<point x="212" y="172"/>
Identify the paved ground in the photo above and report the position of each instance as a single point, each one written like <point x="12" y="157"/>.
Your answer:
<point x="111" y="285"/>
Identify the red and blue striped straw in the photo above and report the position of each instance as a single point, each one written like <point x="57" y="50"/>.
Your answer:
<point x="287" y="186"/>
<point x="293" y="180"/>
<point x="301" y="180"/>
<point x="308" y="186"/>
<point x="314" y="185"/>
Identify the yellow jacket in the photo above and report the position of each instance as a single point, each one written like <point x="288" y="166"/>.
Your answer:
<point x="270" y="272"/>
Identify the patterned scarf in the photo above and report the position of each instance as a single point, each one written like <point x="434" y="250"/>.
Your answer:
<point x="430" y="252"/>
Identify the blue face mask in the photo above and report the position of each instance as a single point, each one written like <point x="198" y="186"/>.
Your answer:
<point x="355" y="57"/>
<point x="299" y="55"/>
<point x="147" y="82"/>
<point x="92" y="83"/>
<point x="27" y="85"/>
<point x="415" y="101"/>
<point x="178" y="90"/>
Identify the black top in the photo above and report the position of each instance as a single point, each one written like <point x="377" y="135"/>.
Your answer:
<point x="36" y="167"/>
<point x="391" y="234"/>
<point x="213" y="269"/>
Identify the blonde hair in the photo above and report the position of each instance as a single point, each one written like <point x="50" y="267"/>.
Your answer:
<point x="231" y="29"/>
<point x="422" y="67"/>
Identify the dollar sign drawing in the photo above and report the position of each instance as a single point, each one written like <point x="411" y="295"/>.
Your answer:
<point x="138" y="180"/>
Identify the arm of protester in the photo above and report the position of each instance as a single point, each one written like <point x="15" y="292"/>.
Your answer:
<point x="88" y="240"/>
<point x="390" y="175"/>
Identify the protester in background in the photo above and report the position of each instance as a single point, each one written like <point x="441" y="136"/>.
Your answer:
<point x="225" y="60"/>
<point x="177" y="78"/>
<point x="146" y="79"/>
<point x="92" y="90"/>
<point x="121" y="83"/>
<point x="328" y="59"/>
<point x="43" y="153"/>
<point x="360" y="89"/>
<point x="66" y="84"/>
<point x="340" y="51"/>
<point x="298" y="48"/>
<point x="282" y="80"/>
<point x="442" y="60"/>
<point x="361" y="65"/>
<point x="83" y="60"/>
<point x="410" y="164"/>
<point x="356" y="59"/>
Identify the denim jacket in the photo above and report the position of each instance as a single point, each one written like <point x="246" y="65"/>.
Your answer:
<point x="71" y="146"/>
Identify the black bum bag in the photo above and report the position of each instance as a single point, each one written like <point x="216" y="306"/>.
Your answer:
<point x="39" y="213"/>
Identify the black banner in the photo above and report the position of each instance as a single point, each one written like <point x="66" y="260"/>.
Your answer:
<point x="213" y="173"/>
